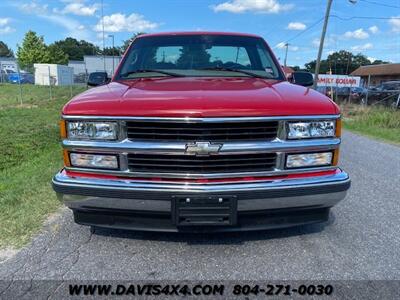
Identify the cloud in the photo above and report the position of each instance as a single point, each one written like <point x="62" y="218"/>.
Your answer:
<point x="281" y="45"/>
<point x="73" y="27"/>
<point x="358" y="34"/>
<point x="296" y="26"/>
<point x="33" y="8"/>
<point x="329" y="40"/>
<point x="315" y="42"/>
<point x="121" y="23"/>
<point x="371" y="59"/>
<point x="373" y="29"/>
<point x="4" y="21"/>
<point x="4" y="28"/>
<point x="362" y="47"/>
<point x="79" y="8"/>
<point x="257" y="6"/>
<point x="395" y="23"/>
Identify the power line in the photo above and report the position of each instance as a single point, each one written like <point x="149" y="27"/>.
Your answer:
<point x="363" y="17"/>
<point x="338" y="17"/>
<point x="379" y="4"/>
<point x="304" y="31"/>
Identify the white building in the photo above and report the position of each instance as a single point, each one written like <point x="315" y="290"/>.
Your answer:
<point x="95" y="63"/>
<point x="8" y="63"/>
<point x="79" y="66"/>
<point x="46" y="74"/>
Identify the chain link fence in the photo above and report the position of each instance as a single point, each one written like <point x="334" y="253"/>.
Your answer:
<point x="17" y="86"/>
<point x="387" y="94"/>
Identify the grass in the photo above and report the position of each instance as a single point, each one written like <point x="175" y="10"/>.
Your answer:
<point x="377" y="122"/>
<point x="30" y="155"/>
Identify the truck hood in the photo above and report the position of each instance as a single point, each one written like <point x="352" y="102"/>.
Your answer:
<point x="200" y="97"/>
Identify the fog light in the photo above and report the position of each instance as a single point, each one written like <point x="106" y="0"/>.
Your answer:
<point x="309" y="160"/>
<point x="93" y="161"/>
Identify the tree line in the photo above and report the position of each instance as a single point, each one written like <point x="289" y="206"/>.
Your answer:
<point x="342" y="62"/>
<point x="34" y="50"/>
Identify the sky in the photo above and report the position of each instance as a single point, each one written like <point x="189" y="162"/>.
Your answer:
<point x="370" y="27"/>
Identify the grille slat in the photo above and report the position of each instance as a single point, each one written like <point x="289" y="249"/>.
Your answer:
<point x="212" y="132"/>
<point x="200" y="161"/>
<point x="218" y="134"/>
<point x="199" y="164"/>
<point x="272" y="127"/>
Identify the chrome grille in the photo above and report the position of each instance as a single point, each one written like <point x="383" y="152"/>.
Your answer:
<point x="202" y="131"/>
<point x="183" y="163"/>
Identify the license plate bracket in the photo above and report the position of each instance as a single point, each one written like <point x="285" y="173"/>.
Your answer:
<point x="194" y="210"/>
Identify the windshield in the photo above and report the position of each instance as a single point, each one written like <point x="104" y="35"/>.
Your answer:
<point x="199" y="55"/>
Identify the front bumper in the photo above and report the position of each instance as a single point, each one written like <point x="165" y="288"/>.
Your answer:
<point x="129" y="204"/>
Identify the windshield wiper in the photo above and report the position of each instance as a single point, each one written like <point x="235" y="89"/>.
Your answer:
<point x="151" y="71"/>
<point x="233" y="70"/>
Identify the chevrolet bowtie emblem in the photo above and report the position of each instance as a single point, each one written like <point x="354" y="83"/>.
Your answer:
<point x="202" y="148"/>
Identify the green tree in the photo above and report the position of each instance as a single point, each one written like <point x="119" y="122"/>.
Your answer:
<point x="296" y="68"/>
<point x="75" y="49"/>
<point x="56" y="55"/>
<point x="5" y="50"/>
<point x="116" y="51"/>
<point x="379" y="62"/>
<point x="33" y="50"/>
<point x="341" y="62"/>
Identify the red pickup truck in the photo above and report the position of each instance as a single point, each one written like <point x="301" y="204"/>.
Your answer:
<point x="200" y="131"/>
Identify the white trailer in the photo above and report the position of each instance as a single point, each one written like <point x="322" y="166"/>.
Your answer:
<point x="46" y="74"/>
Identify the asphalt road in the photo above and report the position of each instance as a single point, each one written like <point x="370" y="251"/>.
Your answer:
<point x="361" y="241"/>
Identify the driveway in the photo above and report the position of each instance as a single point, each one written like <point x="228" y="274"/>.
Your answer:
<point x="361" y="241"/>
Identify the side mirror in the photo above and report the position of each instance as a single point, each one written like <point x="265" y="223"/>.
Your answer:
<point x="97" y="78"/>
<point x="302" y="78"/>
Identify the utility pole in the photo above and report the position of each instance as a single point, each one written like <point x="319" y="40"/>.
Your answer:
<point x="321" y="42"/>
<point x="112" y="36"/>
<point x="287" y="47"/>
<point x="104" y="43"/>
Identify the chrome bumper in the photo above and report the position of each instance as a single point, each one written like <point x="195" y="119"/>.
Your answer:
<point x="102" y="194"/>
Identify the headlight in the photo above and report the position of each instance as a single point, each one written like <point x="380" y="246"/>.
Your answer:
<point x="81" y="130"/>
<point x="309" y="160"/>
<point x="314" y="129"/>
<point x="82" y="160"/>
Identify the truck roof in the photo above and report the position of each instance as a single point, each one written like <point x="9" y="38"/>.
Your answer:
<point x="198" y="33"/>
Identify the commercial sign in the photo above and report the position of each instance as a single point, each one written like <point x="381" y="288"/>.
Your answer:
<point x="338" y="80"/>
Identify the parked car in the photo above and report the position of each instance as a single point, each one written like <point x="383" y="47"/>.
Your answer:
<point x="80" y="78"/>
<point x="22" y="77"/>
<point x="3" y="76"/>
<point x="391" y="85"/>
<point x="330" y="92"/>
<point x="97" y="78"/>
<point x="385" y="94"/>
<point x="200" y="131"/>
<point x="358" y="94"/>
